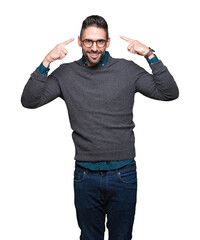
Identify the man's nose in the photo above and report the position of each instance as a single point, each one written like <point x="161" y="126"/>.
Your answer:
<point x="94" y="46"/>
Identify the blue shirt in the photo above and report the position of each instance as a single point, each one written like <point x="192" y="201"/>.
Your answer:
<point x="102" y="165"/>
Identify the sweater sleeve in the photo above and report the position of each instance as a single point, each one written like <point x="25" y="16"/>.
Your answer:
<point x="40" y="90"/>
<point x="159" y="85"/>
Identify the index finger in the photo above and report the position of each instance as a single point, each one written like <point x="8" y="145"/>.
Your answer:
<point x="126" y="39"/>
<point x="68" y="41"/>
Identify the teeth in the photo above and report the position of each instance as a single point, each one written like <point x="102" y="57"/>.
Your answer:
<point x="94" y="55"/>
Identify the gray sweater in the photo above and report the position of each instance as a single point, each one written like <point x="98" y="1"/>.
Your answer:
<point x="100" y="101"/>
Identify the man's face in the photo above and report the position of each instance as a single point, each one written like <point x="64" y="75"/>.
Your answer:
<point x="93" y="54"/>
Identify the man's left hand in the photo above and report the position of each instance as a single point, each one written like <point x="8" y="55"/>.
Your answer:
<point x="136" y="47"/>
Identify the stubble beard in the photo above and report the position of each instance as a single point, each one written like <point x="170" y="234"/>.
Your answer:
<point x="93" y="57"/>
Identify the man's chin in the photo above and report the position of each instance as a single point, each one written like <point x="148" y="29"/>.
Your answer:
<point x="94" y="60"/>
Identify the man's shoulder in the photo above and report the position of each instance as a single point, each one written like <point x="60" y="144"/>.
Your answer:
<point x="69" y="64"/>
<point x="64" y="68"/>
<point x="122" y="61"/>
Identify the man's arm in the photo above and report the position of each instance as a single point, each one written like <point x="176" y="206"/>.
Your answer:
<point x="40" y="88"/>
<point x="160" y="84"/>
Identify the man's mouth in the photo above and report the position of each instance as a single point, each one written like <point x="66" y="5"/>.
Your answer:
<point x="93" y="55"/>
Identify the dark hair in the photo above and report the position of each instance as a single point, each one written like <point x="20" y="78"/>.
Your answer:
<point x="96" y="21"/>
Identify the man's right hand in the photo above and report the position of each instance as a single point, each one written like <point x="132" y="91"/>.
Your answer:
<point x="58" y="52"/>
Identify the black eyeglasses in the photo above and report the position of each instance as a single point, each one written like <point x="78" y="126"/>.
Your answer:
<point x="89" y="43"/>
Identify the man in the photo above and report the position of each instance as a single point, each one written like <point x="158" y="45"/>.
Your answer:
<point x="99" y="93"/>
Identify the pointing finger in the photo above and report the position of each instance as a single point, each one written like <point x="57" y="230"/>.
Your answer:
<point x="68" y="41"/>
<point x="126" y="39"/>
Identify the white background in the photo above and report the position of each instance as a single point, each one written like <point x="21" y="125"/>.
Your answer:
<point x="37" y="152"/>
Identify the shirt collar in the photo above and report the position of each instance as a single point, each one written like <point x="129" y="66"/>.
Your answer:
<point x="102" y="63"/>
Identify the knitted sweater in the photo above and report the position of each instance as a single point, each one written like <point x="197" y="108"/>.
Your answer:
<point x="100" y="102"/>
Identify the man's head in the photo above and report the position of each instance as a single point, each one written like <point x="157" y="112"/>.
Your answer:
<point x="94" y="39"/>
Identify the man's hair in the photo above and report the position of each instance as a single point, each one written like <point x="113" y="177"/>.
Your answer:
<point x="96" y="21"/>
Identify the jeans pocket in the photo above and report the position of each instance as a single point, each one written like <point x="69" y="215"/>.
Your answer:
<point x="128" y="177"/>
<point x="79" y="175"/>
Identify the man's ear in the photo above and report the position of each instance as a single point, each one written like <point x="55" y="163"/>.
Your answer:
<point x="108" y="43"/>
<point x="79" y="42"/>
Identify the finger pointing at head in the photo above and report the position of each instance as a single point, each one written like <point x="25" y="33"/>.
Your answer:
<point x="68" y="41"/>
<point x="126" y="39"/>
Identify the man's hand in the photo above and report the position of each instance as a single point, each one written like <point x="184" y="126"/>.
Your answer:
<point x="58" y="52"/>
<point x="137" y="47"/>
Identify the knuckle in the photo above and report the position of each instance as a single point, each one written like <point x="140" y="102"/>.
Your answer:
<point x="58" y="46"/>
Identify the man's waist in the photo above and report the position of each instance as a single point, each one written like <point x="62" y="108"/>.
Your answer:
<point x="99" y="156"/>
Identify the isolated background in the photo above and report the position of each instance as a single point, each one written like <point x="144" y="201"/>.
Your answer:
<point x="37" y="152"/>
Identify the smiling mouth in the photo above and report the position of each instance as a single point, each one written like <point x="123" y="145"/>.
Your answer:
<point x="94" y="55"/>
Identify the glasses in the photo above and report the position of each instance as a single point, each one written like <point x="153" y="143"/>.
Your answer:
<point x="89" y="43"/>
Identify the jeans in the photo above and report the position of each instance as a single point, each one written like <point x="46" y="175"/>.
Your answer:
<point x="109" y="193"/>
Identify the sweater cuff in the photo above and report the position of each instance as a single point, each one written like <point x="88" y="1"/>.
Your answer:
<point x="43" y="70"/>
<point x="153" y="60"/>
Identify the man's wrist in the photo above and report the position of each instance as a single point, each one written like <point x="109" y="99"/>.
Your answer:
<point x="46" y="63"/>
<point x="43" y="70"/>
<point x="149" y="54"/>
<point x="152" y="60"/>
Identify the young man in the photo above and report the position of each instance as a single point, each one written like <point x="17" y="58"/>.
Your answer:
<point x="99" y="93"/>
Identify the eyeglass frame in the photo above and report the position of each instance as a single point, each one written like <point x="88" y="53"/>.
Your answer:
<point x="95" y="42"/>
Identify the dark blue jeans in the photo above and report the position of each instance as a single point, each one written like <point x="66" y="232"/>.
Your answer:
<point x="100" y="193"/>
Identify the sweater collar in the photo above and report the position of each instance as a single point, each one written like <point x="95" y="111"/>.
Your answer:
<point x="103" y="61"/>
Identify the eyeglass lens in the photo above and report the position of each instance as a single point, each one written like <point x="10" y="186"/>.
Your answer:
<point x="89" y="43"/>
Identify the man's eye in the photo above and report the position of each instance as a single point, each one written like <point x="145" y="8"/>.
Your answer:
<point x="101" y="41"/>
<point x="87" y="41"/>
